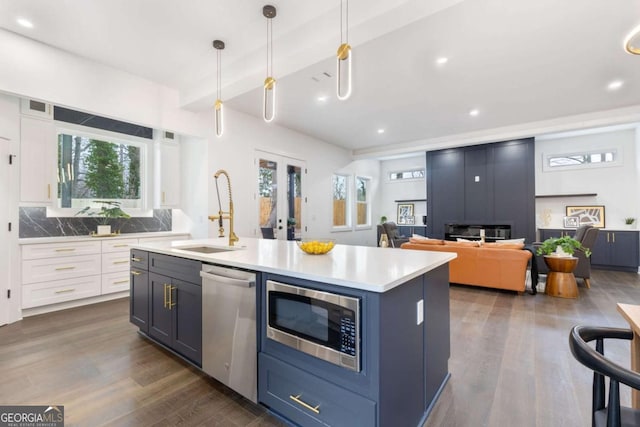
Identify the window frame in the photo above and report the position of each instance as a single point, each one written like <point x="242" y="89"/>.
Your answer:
<point x="348" y="197"/>
<point x="367" y="202"/>
<point x="412" y="170"/>
<point x="146" y="150"/>
<point x="617" y="160"/>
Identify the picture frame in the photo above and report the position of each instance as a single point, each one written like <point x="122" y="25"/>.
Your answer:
<point x="587" y="215"/>
<point x="405" y="210"/>
<point x="570" y="222"/>
<point x="411" y="220"/>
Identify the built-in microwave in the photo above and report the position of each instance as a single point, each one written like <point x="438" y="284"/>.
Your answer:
<point x="323" y="324"/>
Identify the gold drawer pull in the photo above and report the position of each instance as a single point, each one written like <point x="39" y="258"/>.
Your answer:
<point x="123" y="245"/>
<point x="313" y="409"/>
<point x="121" y="281"/>
<point x="126" y="261"/>
<point x="62" y="291"/>
<point x="134" y="259"/>
<point x="65" y="249"/>
<point x="135" y="273"/>
<point x="65" y="268"/>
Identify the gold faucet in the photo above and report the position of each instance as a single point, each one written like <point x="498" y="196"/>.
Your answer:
<point x="224" y="215"/>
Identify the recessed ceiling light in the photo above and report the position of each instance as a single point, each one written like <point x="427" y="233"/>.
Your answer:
<point x="442" y="60"/>
<point x="474" y="112"/>
<point x="322" y="98"/>
<point x="615" y="85"/>
<point x="380" y="130"/>
<point x="24" y="22"/>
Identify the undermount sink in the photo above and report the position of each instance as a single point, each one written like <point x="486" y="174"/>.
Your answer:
<point x="203" y="249"/>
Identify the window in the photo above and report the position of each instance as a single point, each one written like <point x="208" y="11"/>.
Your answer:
<point x="406" y="174"/>
<point x="341" y="201"/>
<point x="363" y="213"/>
<point x="580" y="160"/>
<point x="96" y="167"/>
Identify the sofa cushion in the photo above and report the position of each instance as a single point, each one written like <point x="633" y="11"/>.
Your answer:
<point x="469" y="244"/>
<point x="502" y="245"/>
<point x="426" y="241"/>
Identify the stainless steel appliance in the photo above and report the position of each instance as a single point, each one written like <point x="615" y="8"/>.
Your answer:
<point x="229" y="328"/>
<point x="322" y="324"/>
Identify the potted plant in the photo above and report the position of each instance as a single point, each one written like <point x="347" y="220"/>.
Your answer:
<point x="562" y="246"/>
<point x="383" y="219"/>
<point x="110" y="210"/>
<point x="629" y="221"/>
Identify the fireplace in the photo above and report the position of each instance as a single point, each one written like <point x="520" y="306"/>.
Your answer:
<point x="492" y="232"/>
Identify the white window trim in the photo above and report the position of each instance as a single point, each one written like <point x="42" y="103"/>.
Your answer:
<point x="348" y="202"/>
<point x="415" y="168"/>
<point x="618" y="160"/>
<point x="146" y="146"/>
<point x="368" y="225"/>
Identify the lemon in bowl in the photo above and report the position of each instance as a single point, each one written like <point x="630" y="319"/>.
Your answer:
<point x="316" y="246"/>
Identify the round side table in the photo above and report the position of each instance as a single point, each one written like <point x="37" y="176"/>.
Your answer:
<point x="560" y="281"/>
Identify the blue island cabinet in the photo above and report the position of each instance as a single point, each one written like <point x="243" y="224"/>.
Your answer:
<point x="405" y="348"/>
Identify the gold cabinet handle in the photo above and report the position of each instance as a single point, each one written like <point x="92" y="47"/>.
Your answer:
<point x="171" y="303"/>
<point x="165" y="294"/>
<point x="314" y="409"/>
<point x="134" y="259"/>
<point x="65" y="268"/>
<point x="65" y="249"/>
<point x="135" y="273"/>
<point x="126" y="261"/>
<point x="49" y="191"/>
<point x="123" y="245"/>
<point x="63" y="291"/>
<point x="163" y="198"/>
<point x="121" y="281"/>
<point x="613" y="235"/>
<point x="607" y="237"/>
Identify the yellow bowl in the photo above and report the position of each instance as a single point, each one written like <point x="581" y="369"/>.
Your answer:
<point x="316" y="246"/>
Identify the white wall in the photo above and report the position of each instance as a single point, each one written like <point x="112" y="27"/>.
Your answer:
<point x="192" y="217"/>
<point x="403" y="190"/>
<point x="616" y="186"/>
<point x="235" y="152"/>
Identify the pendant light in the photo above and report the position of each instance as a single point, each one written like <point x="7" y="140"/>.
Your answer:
<point x="218" y="107"/>
<point x="269" y="92"/>
<point x="632" y="42"/>
<point x="343" y="57"/>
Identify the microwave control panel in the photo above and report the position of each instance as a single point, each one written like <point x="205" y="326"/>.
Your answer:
<point x="348" y="336"/>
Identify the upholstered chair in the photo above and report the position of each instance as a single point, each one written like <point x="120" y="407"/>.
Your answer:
<point x="395" y="238"/>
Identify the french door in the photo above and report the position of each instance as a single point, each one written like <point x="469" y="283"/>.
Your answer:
<point x="280" y="196"/>
<point x="5" y="241"/>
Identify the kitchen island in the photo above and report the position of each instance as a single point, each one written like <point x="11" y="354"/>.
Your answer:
<point x="402" y="323"/>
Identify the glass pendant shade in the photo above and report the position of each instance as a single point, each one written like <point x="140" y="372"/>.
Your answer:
<point x="343" y="71"/>
<point x="632" y="42"/>
<point x="218" y="110"/>
<point x="269" y="87"/>
<point x="218" y="106"/>
<point x="269" y="99"/>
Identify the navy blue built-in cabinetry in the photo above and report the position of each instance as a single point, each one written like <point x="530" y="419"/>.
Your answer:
<point x="483" y="184"/>
<point x="404" y="363"/>
<point x="166" y="301"/>
<point x="613" y="250"/>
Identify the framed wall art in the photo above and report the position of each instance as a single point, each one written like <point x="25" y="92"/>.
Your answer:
<point x="405" y="210"/>
<point x="587" y="215"/>
<point x="570" y="222"/>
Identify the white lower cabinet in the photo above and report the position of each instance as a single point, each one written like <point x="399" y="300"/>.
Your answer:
<point x="71" y="270"/>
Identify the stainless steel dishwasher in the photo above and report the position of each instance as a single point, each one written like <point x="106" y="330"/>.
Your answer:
<point x="229" y="332"/>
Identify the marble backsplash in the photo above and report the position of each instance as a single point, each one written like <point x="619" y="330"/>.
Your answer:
<point x="34" y="223"/>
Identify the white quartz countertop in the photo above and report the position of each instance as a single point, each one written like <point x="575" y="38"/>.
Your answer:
<point x="61" y="239"/>
<point x="360" y="267"/>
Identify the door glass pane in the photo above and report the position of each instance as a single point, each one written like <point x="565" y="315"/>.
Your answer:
<point x="362" y="204"/>
<point x="294" y="201"/>
<point x="339" y="200"/>
<point x="268" y="192"/>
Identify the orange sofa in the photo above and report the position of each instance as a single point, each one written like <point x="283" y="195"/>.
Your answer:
<point x="492" y="265"/>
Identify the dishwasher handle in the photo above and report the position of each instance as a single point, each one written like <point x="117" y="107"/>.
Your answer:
<point x="245" y="283"/>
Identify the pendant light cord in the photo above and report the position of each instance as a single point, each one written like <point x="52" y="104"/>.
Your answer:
<point x="346" y="22"/>
<point x="269" y="48"/>
<point x="219" y="73"/>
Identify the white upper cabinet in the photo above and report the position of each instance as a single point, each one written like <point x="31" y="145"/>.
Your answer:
<point x="37" y="161"/>
<point x="9" y="118"/>
<point x="169" y="173"/>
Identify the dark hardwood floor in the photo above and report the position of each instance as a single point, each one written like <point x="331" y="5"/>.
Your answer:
<point x="510" y="364"/>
